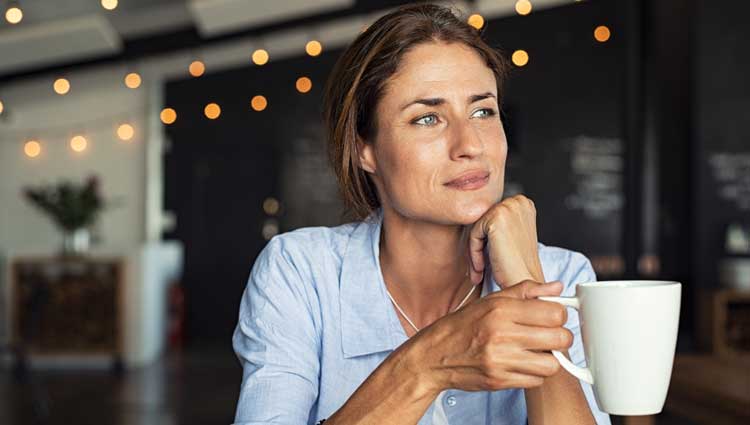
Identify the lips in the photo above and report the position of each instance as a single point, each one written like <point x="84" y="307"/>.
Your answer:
<point x="470" y="180"/>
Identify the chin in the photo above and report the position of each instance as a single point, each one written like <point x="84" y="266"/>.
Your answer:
<point x="470" y="213"/>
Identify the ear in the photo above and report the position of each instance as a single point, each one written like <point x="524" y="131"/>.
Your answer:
<point x="367" y="156"/>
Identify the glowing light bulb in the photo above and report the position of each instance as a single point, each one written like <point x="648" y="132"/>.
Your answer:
<point x="271" y="206"/>
<point x="168" y="115"/>
<point x="133" y="80"/>
<point x="601" y="33"/>
<point x="212" y="111"/>
<point x="14" y="15"/>
<point x="303" y="84"/>
<point x="520" y="57"/>
<point x="523" y="7"/>
<point x="313" y="48"/>
<point x="61" y="86"/>
<point x="259" y="103"/>
<point x="260" y="57"/>
<point x="109" y="4"/>
<point x="476" y="20"/>
<point x="125" y="132"/>
<point x="78" y="143"/>
<point x="197" y="68"/>
<point x="32" y="148"/>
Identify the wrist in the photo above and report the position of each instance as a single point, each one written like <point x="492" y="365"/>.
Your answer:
<point x="415" y="366"/>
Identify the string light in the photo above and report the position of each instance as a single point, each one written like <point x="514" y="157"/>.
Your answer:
<point x="109" y="4"/>
<point x="476" y="20"/>
<point x="61" y="86"/>
<point x="303" y="84"/>
<point x="520" y="58"/>
<point x="523" y="7"/>
<point x="32" y="148"/>
<point x="271" y="206"/>
<point x="313" y="48"/>
<point x="197" y="68"/>
<point x="212" y="111"/>
<point x="13" y="15"/>
<point x="125" y="132"/>
<point x="78" y="143"/>
<point x="133" y="80"/>
<point x="259" y="103"/>
<point x="601" y="33"/>
<point x="168" y="115"/>
<point x="260" y="57"/>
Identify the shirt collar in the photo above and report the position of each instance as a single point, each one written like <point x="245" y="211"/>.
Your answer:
<point x="369" y="323"/>
<point x="366" y="313"/>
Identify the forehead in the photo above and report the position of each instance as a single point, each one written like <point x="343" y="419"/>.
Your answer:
<point x="446" y="67"/>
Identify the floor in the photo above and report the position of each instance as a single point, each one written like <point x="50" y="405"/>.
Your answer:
<point x="197" y="387"/>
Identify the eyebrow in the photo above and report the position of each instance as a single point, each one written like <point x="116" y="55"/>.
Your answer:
<point x="435" y="101"/>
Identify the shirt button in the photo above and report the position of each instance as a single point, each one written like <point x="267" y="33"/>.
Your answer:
<point x="451" y="401"/>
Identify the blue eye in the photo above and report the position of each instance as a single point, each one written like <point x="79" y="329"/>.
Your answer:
<point x="427" y="120"/>
<point x="486" y="112"/>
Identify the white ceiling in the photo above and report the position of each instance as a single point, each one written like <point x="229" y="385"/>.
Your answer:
<point x="64" y="31"/>
<point x="221" y="16"/>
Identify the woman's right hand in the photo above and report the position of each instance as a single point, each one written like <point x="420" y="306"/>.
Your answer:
<point x="497" y="342"/>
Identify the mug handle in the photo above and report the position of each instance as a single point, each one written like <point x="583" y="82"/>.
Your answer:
<point x="582" y="373"/>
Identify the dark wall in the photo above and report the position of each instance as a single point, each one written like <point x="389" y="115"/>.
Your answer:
<point x="565" y="110"/>
<point x="721" y="116"/>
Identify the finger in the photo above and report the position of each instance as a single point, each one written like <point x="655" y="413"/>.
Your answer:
<point x="540" y="338"/>
<point x="529" y="289"/>
<point x="477" y="241"/>
<point x="537" y="313"/>
<point x="513" y="380"/>
<point x="542" y="365"/>
<point x="551" y="289"/>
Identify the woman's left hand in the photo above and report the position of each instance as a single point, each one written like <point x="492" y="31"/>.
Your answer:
<point x="509" y="227"/>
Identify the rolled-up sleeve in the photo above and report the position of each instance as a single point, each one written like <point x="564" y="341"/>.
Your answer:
<point x="579" y="270"/>
<point x="277" y="343"/>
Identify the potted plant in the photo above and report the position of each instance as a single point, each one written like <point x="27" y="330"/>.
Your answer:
<point x="72" y="207"/>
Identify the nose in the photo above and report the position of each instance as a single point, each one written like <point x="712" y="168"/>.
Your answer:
<point x="466" y="141"/>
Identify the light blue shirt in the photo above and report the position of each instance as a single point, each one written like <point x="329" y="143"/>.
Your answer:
<point x="315" y="322"/>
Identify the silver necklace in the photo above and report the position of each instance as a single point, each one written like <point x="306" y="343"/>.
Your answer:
<point x="407" y="317"/>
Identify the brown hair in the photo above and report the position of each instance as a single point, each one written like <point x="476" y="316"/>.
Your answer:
<point x="356" y="83"/>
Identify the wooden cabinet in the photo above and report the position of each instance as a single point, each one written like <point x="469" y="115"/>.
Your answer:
<point x="724" y="322"/>
<point x="67" y="306"/>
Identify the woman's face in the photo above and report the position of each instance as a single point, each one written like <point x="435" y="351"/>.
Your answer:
<point x="439" y="154"/>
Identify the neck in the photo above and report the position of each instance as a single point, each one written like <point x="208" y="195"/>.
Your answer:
<point x="424" y="266"/>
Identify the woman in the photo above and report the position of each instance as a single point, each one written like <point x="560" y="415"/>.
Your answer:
<point x="425" y="311"/>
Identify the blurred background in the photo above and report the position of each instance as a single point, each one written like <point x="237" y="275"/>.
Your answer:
<point x="149" y="149"/>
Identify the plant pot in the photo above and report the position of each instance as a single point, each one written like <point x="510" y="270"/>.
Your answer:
<point x="76" y="242"/>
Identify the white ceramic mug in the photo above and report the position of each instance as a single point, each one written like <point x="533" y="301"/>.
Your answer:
<point x="629" y="331"/>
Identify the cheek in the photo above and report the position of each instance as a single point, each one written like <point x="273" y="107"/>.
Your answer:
<point x="411" y="170"/>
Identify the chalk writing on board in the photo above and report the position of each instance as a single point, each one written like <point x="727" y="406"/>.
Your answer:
<point x="731" y="172"/>
<point x="596" y="166"/>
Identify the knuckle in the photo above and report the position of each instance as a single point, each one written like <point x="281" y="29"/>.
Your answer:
<point x="528" y="284"/>
<point x="486" y="361"/>
<point x="500" y="305"/>
<point x="526" y="287"/>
